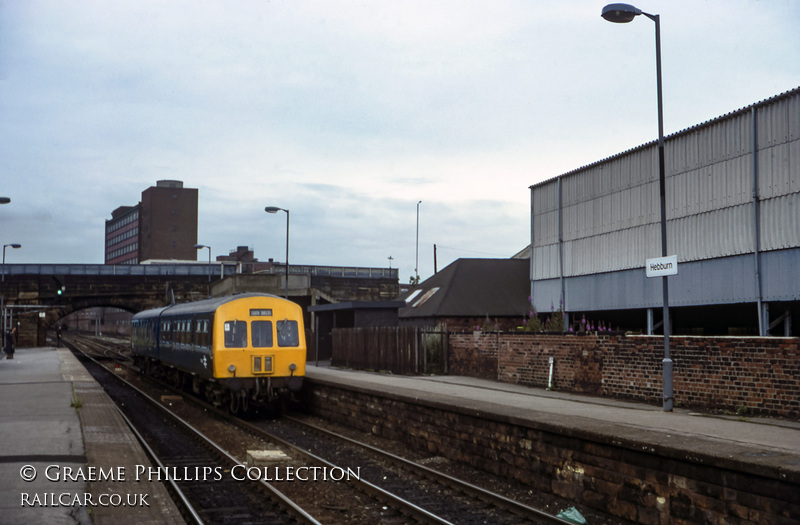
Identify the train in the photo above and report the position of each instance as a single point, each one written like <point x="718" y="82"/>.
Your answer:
<point x="239" y="352"/>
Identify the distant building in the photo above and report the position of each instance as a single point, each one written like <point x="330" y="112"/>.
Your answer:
<point x="162" y="226"/>
<point x="122" y="236"/>
<point x="246" y="261"/>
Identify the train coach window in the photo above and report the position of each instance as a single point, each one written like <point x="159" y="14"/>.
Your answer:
<point x="287" y="333"/>
<point x="202" y="332"/>
<point x="165" y="332"/>
<point x="262" y="334"/>
<point x="235" y="334"/>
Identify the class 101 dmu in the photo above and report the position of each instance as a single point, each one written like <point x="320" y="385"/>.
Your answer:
<point x="239" y="352"/>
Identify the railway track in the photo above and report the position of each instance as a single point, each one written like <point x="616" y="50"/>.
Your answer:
<point x="193" y="464"/>
<point x="451" y="500"/>
<point x="396" y="473"/>
<point x="387" y="488"/>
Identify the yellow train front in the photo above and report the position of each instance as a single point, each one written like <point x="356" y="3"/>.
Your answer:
<point x="237" y="351"/>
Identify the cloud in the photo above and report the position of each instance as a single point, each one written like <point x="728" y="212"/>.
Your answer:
<point x="348" y="113"/>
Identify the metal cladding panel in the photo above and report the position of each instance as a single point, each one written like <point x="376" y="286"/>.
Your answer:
<point x="612" y="291"/>
<point x="779" y="226"/>
<point x="621" y="249"/>
<point x="716" y="142"/>
<point x="710" y="187"/>
<point x="545" y="197"/>
<point x="720" y="233"/>
<point x="628" y="171"/>
<point x="774" y="163"/>
<point x="777" y="121"/>
<point x="778" y="129"/>
<point x="779" y="275"/>
<point x="544" y="293"/>
<point x="544" y="214"/>
<point x="793" y="108"/>
<point x="717" y="281"/>
<point x="544" y="264"/>
<point x="545" y="228"/>
<point x="625" y="208"/>
<point x="713" y="281"/>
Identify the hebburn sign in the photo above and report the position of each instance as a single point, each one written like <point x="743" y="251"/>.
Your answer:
<point x="661" y="266"/>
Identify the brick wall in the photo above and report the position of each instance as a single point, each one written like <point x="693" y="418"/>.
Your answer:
<point x="653" y="485"/>
<point x="717" y="373"/>
<point x="476" y="355"/>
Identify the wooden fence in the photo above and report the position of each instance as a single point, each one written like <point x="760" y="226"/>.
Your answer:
<point x="399" y="350"/>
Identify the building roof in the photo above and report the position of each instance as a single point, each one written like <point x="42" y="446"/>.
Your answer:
<point x="356" y="305"/>
<point x="472" y="288"/>
<point x="677" y="134"/>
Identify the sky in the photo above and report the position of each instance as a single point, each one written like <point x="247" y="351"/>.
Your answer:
<point x="349" y="113"/>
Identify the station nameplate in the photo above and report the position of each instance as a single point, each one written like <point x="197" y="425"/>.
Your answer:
<point x="661" y="266"/>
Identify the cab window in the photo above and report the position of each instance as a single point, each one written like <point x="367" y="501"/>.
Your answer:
<point x="262" y="334"/>
<point x="287" y="333"/>
<point x="235" y="334"/>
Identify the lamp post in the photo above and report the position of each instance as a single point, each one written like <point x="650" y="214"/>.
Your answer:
<point x="200" y="247"/>
<point x="623" y="13"/>
<point x="274" y="209"/>
<point x="3" y="293"/>
<point x="416" y="259"/>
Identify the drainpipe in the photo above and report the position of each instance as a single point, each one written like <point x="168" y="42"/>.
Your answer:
<point x="562" y="300"/>
<point x="763" y="331"/>
<point x="531" y="269"/>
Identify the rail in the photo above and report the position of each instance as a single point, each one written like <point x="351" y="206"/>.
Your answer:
<point x="193" y="268"/>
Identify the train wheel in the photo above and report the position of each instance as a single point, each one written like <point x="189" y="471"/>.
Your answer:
<point x="196" y="385"/>
<point x="235" y="405"/>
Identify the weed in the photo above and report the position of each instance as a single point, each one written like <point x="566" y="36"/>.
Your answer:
<point x="77" y="402"/>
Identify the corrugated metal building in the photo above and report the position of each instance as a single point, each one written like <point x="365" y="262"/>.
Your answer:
<point x="733" y="219"/>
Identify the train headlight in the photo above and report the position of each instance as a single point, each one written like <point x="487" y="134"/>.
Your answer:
<point x="293" y="367"/>
<point x="232" y="369"/>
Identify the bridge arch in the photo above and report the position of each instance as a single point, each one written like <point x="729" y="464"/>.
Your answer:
<point x="40" y="295"/>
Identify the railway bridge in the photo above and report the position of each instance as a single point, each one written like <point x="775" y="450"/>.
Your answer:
<point x="36" y="296"/>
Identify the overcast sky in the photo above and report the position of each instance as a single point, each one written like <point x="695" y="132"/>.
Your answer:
<point x="348" y="113"/>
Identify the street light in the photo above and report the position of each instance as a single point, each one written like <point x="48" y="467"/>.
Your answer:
<point x="416" y="260"/>
<point x="200" y="247"/>
<point x="3" y="292"/>
<point x="274" y="209"/>
<point x="5" y="200"/>
<point x="623" y="13"/>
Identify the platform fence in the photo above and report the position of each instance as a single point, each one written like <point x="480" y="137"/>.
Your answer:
<point x="397" y="350"/>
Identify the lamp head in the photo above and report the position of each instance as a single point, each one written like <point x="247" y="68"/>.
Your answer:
<point x="620" y="13"/>
<point x="272" y="209"/>
<point x="15" y="245"/>
<point x="200" y="246"/>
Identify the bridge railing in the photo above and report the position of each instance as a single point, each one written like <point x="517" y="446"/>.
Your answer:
<point x="191" y="269"/>
<point x="116" y="269"/>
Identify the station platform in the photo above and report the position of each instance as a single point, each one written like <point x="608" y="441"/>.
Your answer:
<point x="68" y="457"/>
<point x="62" y="437"/>
<point x="762" y="446"/>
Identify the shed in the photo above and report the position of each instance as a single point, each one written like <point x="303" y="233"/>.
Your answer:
<point x="350" y="314"/>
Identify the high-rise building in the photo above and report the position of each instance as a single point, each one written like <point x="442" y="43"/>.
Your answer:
<point x="122" y="236"/>
<point x="162" y="226"/>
